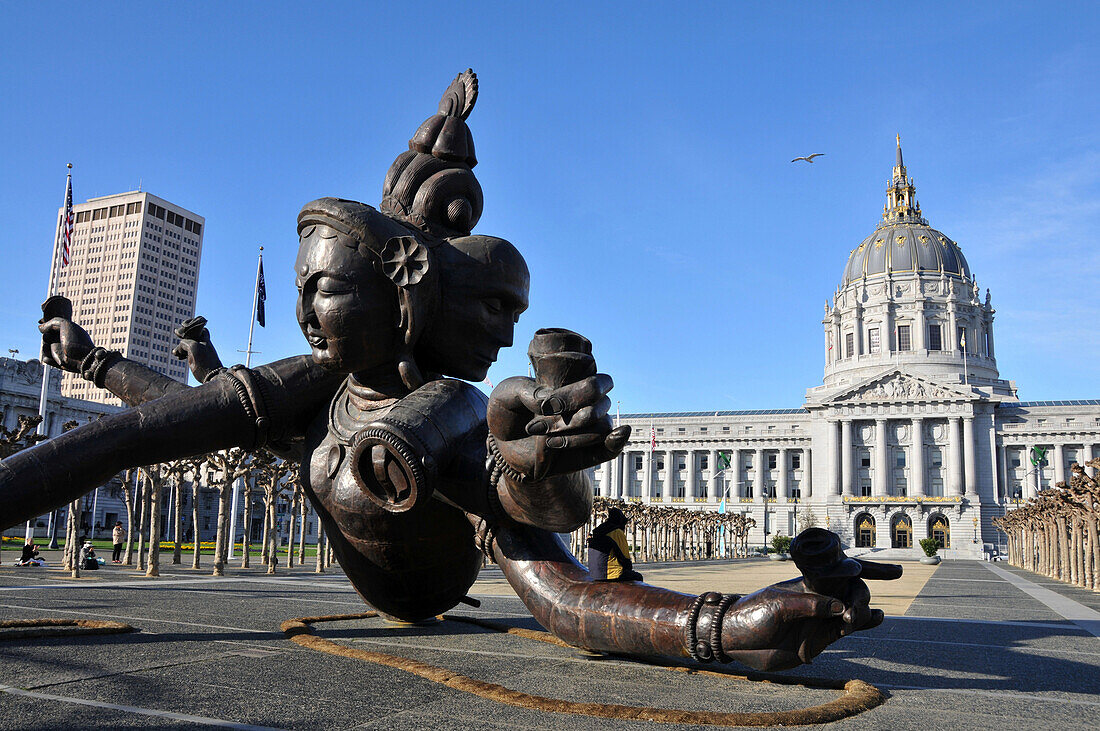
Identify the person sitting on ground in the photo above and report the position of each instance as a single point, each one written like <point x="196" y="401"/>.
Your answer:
<point x="30" y="556"/>
<point x="608" y="552"/>
<point x="117" y="536"/>
<point x="88" y="560"/>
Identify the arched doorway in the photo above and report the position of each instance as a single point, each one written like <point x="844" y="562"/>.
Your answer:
<point x="901" y="532"/>
<point x="939" y="528"/>
<point x="865" y="531"/>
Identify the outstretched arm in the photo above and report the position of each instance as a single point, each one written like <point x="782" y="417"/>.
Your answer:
<point x="779" y="627"/>
<point x="245" y="408"/>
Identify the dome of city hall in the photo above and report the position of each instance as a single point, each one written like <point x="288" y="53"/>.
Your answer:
<point x="903" y="242"/>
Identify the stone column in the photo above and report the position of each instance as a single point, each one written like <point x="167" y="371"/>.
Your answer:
<point x="886" y="339"/>
<point x="971" y="464"/>
<point x="916" y="458"/>
<point x="846" y="472"/>
<point x="952" y="339"/>
<point x="713" y="492"/>
<point x="832" y="454"/>
<point x="954" y="449"/>
<point x="647" y="474"/>
<point x="758" y="477"/>
<point x="1030" y="480"/>
<point x="1088" y="458"/>
<point x="689" y="489"/>
<point x="781" y="492"/>
<point x="670" y="475"/>
<point x="807" y="474"/>
<point x="1002" y="456"/>
<point x="879" y="485"/>
<point x="994" y="467"/>
<point x="920" y="334"/>
<point x="1059" y="464"/>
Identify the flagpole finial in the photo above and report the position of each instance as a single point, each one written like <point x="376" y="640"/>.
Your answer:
<point x="69" y="165"/>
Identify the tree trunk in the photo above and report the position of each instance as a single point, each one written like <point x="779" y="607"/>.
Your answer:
<point x="154" y="528"/>
<point x="302" y="531"/>
<point x="290" y="532"/>
<point x="273" y="552"/>
<point x="219" y="541"/>
<point x="195" y="537"/>
<point x="128" y="499"/>
<point x="143" y="521"/>
<point x="264" y="534"/>
<point x="246" y="531"/>
<point x="177" y="525"/>
<point x="320" y="545"/>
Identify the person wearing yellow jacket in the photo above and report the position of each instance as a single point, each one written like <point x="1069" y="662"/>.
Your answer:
<point x="608" y="551"/>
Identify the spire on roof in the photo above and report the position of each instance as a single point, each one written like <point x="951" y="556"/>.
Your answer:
<point x="901" y="194"/>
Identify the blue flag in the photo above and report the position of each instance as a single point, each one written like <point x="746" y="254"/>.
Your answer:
<point x="261" y="293"/>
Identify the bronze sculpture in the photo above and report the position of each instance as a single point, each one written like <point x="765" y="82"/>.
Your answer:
<point x="415" y="474"/>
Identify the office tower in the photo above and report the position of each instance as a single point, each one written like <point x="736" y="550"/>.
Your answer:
<point x="132" y="277"/>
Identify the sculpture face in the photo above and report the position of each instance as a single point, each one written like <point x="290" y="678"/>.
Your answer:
<point x="485" y="284"/>
<point x="347" y="310"/>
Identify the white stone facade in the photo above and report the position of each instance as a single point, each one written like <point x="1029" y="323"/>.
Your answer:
<point x="912" y="426"/>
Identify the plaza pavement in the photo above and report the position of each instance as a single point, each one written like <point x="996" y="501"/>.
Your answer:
<point x="965" y="645"/>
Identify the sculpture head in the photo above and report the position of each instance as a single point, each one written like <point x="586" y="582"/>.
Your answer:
<point x="366" y="287"/>
<point x="484" y="285"/>
<point x="432" y="186"/>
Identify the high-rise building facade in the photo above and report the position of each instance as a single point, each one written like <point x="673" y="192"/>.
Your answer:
<point x="132" y="277"/>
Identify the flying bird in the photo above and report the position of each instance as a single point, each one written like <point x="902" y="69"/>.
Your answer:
<point x="809" y="158"/>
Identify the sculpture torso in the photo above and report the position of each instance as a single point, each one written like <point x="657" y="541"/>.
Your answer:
<point x="411" y="565"/>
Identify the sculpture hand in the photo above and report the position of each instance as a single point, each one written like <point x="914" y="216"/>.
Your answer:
<point x="781" y="626"/>
<point x="788" y="623"/>
<point x="543" y="431"/>
<point x="64" y="344"/>
<point x="195" y="347"/>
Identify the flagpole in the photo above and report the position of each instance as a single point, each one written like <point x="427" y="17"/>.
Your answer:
<point x="44" y="396"/>
<point x="247" y="362"/>
<point x="252" y="322"/>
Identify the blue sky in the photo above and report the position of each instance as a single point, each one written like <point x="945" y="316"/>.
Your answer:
<point x="639" y="160"/>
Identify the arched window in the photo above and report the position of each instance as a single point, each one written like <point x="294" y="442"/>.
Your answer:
<point x="865" y="531"/>
<point x="901" y="532"/>
<point x="940" y="529"/>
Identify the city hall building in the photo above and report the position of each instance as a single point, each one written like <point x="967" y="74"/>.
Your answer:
<point x="911" y="434"/>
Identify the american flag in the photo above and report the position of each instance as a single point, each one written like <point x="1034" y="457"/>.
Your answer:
<point x="261" y="293"/>
<point x="67" y="225"/>
<point x="652" y="438"/>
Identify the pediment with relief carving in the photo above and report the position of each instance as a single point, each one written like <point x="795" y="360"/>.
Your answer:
<point x="899" y="387"/>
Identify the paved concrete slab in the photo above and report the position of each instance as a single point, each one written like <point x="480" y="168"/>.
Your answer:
<point x="966" y="648"/>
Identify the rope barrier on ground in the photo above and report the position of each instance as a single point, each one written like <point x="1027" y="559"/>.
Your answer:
<point x="857" y="697"/>
<point x="21" y="629"/>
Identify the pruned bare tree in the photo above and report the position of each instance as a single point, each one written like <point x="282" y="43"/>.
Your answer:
<point x="230" y="465"/>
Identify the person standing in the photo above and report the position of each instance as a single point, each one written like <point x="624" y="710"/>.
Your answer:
<point x="608" y="551"/>
<point x="118" y="535"/>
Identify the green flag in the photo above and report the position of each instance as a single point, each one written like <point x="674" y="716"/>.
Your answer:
<point x="723" y="461"/>
<point x="1038" y="456"/>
